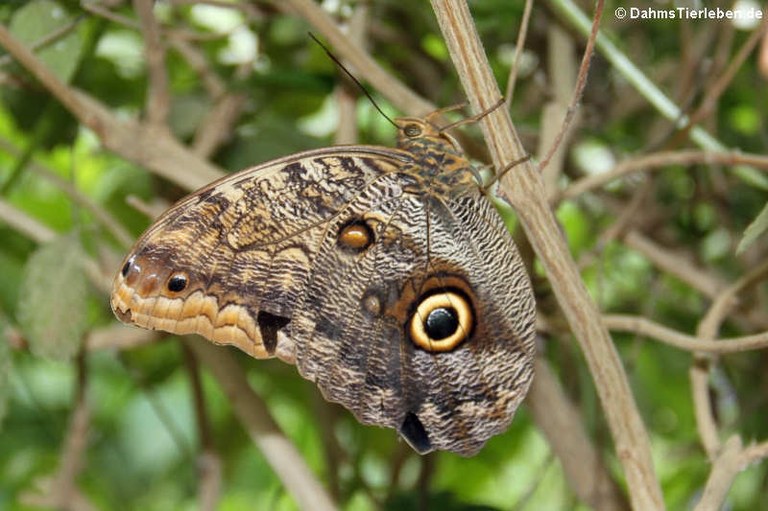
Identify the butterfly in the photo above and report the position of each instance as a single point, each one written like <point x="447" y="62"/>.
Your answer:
<point x="384" y="274"/>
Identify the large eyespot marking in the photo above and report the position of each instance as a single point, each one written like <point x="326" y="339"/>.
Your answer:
<point x="441" y="321"/>
<point x="355" y="236"/>
<point x="177" y="282"/>
<point x="412" y="130"/>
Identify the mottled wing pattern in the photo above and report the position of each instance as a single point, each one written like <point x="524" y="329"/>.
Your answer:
<point x="244" y="246"/>
<point x="352" y="338"/>
<point x="384" y="274"/>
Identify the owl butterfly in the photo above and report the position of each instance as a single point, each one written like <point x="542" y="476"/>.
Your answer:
<point x="385" y="275"/>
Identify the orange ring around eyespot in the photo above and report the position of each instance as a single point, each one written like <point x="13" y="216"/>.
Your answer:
<point x="449" y="300"/>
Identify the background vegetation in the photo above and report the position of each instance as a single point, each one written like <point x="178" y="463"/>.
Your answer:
<point x="111" y="110"/>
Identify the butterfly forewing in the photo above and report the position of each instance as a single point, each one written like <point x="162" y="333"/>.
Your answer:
<point x="384" y="274"/>
<point x="245" y="245"/>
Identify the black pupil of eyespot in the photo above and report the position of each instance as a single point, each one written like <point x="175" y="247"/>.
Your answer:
<point x="412" y="131"/>
<point x="177" y="283"/>
<point x="126" y="268"/>
<point x="441" y="323"/>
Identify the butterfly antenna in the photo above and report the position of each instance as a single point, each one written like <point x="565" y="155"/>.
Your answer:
<point x="352" y="77"/>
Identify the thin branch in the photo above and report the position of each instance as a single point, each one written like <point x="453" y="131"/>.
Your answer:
<point x="155" y="149"/>
<point x="119" y="337"/>
<point x="361" y="62"/>
<point x="61" y="491"/>
<point x="706" y="422"/>
<point x="561" y="423"/>
<point x="730" y="462"/>
<point x="158" y="96"/>
<point x="581" y="82"/>
<point x="626" y="217"/>
<point x="218" y="125"/>
<point x="24" y="223"/>
<point x="105" y="13"/>
<point x="734" y="64"/>
<point x="658" y="161"/>
<point x="724" y="470"/>
<point x="644" y="326"/>
<point x="253" y="414"/>
<point x="101" y="215"/>
<point x="48" y="39"/>
<point x="728" y="299"/>
<point x="519" y="48"/>
<point x="197" y="61"/>
<point x="554" y="133"/>
<point x="677" y="265"/>
<point x="524" y="189"/>
<point x="209" y="461"/>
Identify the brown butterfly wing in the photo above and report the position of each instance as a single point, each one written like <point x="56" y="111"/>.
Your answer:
<point x="231" y="261"/>
<point x="352" y="331"/>
<point x="331" y="259"/>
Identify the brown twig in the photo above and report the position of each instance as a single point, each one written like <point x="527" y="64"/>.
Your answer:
<point x="644" y="326"/>
<point x="658" y="161"/>
<point x="48" y="39"/>
<point x="519" y="48"/>
<point x="734" y="64"/>
<point x="563" y="426"/>
<point x="61" y="491"/>
<point x="346" y="93"/>
<point x="675" y="264"/>
<point x="211" y="82"/>
<point x="255" y="417"/>
<point x="730" y="462"/>
<point x="361" y="62"/>
<point x="103" y="12"/>
<point x="706" y="422"/>
<point x="209" y="461"/>
<point x="553" y="133"/>
<point x="727" y="299"/>
<point x="581" y="82"/>
<point x="158" y="97"/>
<point x="118" y="337"/>
<point x="24" y="223"/>
<point x="101" y="215"/>
<point x="524" y="190"/>
<point x="155" y="149"/>
<point x="626" y="217"/>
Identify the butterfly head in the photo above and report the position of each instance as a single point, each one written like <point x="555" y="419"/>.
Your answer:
<point x="416" y="134"/>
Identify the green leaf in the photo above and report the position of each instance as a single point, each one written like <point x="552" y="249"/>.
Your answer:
<point x="38" y="20"/>
<point x="754" y="230"/>
<point x="52" y="308"/>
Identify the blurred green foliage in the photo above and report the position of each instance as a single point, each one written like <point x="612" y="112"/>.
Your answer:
<point x="143" y="442"/>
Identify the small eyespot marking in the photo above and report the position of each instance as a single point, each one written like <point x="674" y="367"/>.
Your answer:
<point x="126" y="267"/>
<point x="178" y="282"/>
<point x="355" y="236"/>
<point x="371" y="303"/>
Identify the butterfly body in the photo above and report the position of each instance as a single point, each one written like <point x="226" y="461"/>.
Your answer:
<point x="384" y="274"/>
